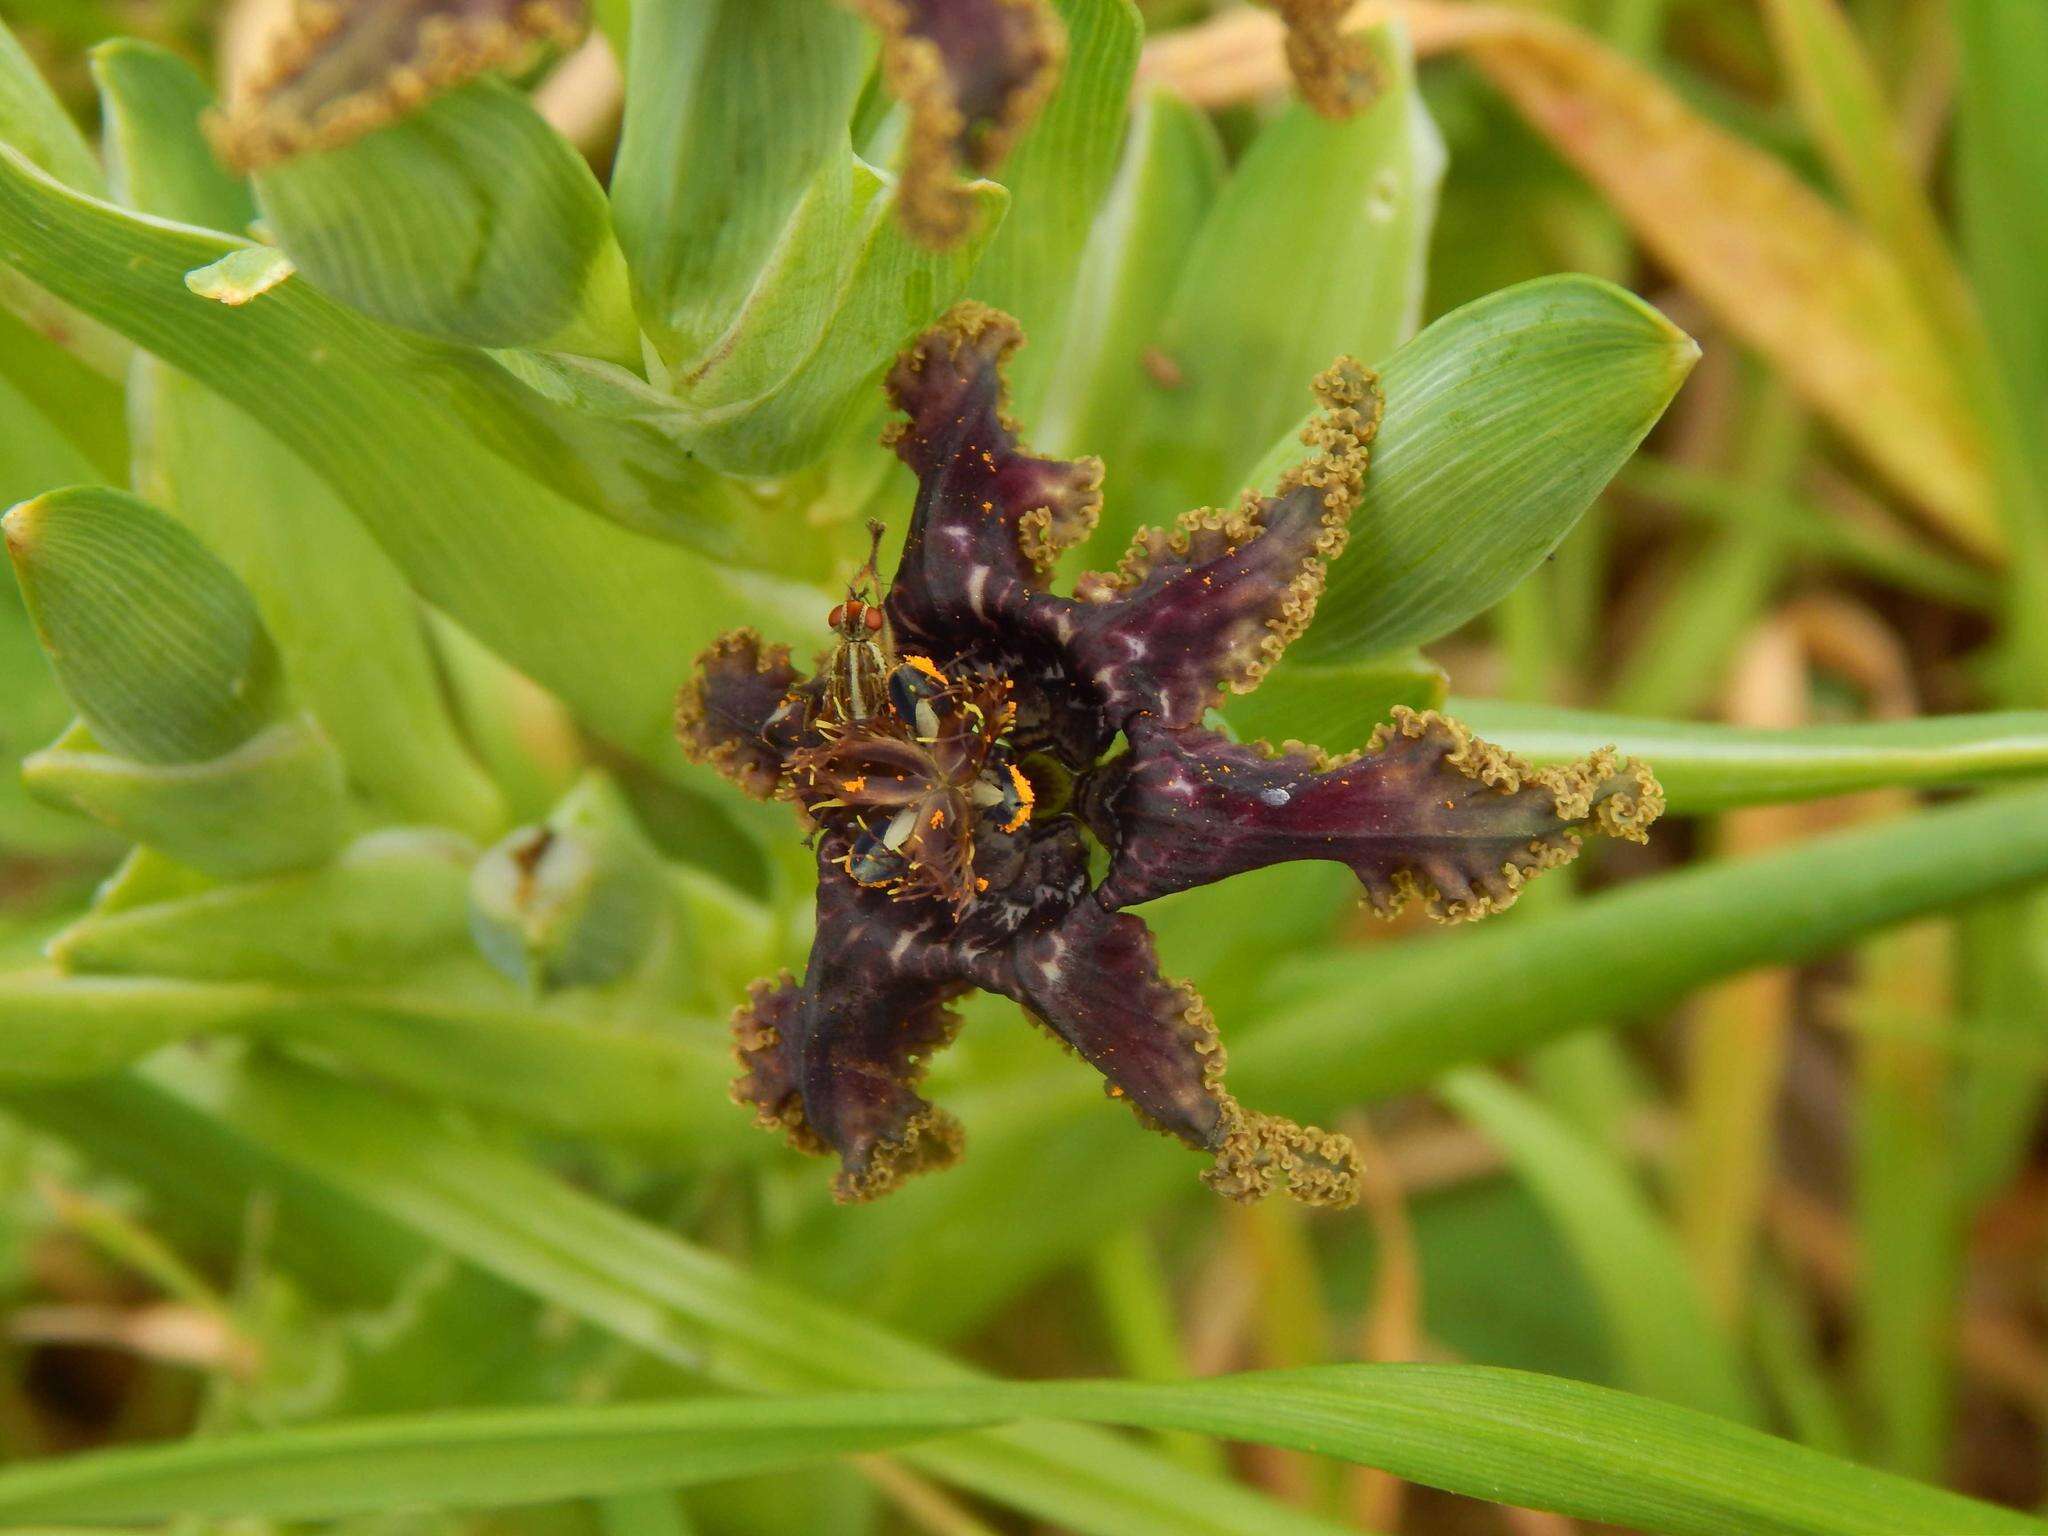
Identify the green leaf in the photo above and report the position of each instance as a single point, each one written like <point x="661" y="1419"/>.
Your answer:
<point x="2001" y="174"/>
<point x="476" y="487"/>
<point x="346" y="625"/>
<point x="1492" y="1434"/>
<point x="1706" y="767"/>
<point x="277" y="802"/>
<point x="1315" y="247"/>
<point x="468" y="220"/>
<point x="455" y="1036"/>
<point x="733" y="109"/>
<point x="801" y="360"/>
<point x="59" y="1028"/>
<point x="45" y="382"/>
<point x="154" y="639"/>
<point x="35" y="124"/>
<point x="1503" y="421"/>
<point x="1336" y="706"/>
<point x="1172" y="170"/>
<point x="1057" y="176"/>
<point x="158" y="161"/>
<point x="390" y="899"/>
<point x="1666" y="1343"/>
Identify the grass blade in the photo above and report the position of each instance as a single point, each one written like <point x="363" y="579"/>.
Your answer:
<point x="1495" y="1434"/>
<point x="1707" y="767"/>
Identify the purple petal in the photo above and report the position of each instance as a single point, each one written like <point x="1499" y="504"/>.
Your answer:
<point x="1212" y="604"/>
<point x="989" y="517"/>
<point x="742" y="711"/>
<point x="973" y="74"/>
<point x="1427" y="811"/>
<point x="1337" y="73"/>
<point x="342" y="69"/>
<point x="834" y="1061"/>
<point x="1093" y="979"/>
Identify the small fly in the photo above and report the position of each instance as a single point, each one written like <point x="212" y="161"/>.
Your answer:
<point x="856" y="677"/>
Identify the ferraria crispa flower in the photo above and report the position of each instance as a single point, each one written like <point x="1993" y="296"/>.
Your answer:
<point x="971" y="734"/>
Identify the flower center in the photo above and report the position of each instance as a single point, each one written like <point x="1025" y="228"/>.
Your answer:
<point x="908" y="792"/>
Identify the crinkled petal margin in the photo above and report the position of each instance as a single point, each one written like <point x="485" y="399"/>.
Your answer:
<point x="972" y="74"/>
<point x="1093" y="979"/>
<point x="343" y="68"/>
<point x="1426" y="812"/>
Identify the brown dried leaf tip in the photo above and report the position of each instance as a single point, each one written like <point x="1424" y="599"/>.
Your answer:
<point x="973" y="732"/>
<point x="973" y="74"/>
<point x="345" y="67"/>
<point x="1336" y="71"/>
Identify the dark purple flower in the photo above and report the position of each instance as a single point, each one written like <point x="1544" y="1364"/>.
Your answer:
<point x="956" y="757"/>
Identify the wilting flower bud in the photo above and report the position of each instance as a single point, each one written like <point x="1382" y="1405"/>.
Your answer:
<point x="577" y="901"/>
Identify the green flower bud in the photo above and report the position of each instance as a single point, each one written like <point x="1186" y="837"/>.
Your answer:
<point x="152" y="636"/>
<point x="578" y="901"/>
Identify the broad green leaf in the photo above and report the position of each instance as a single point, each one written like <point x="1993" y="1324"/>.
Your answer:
<point x="1706" y="767"/>
<point x="802" y="360"/>
<point x="1171" y="171"/>
<point x="1315" y="247"/>
<point x="1779" y="266"/>
<point x="389" y="900"/>
<point x="1666" y="1343"/>
<point x="346" y="625"/>
<point x="276" y="802"/>
<point x="36" y="124"/>
<point x="1532" y="1440"/>
<point x="476" y="487"/>
<point x="59" y="1028"/>
<point x="36" y="453"/>
<point x="457" y="1036"/>
<point x="733" y="109"/>
<point x="154" y="639"/>
<point x="1336" y="706"/>
<point x="468" y="220"/>
<point x="1057" y="176"/>
<point x="33" y="710"/>
<point x="42" y="379"/>
<point x="157" y="160"/>
<point x="1503" y="421"/>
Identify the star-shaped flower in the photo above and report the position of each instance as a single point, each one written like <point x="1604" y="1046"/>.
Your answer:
<point x="967" y="739"/>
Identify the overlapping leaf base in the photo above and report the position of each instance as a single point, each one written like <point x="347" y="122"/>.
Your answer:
<point x="953" y="820"/>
